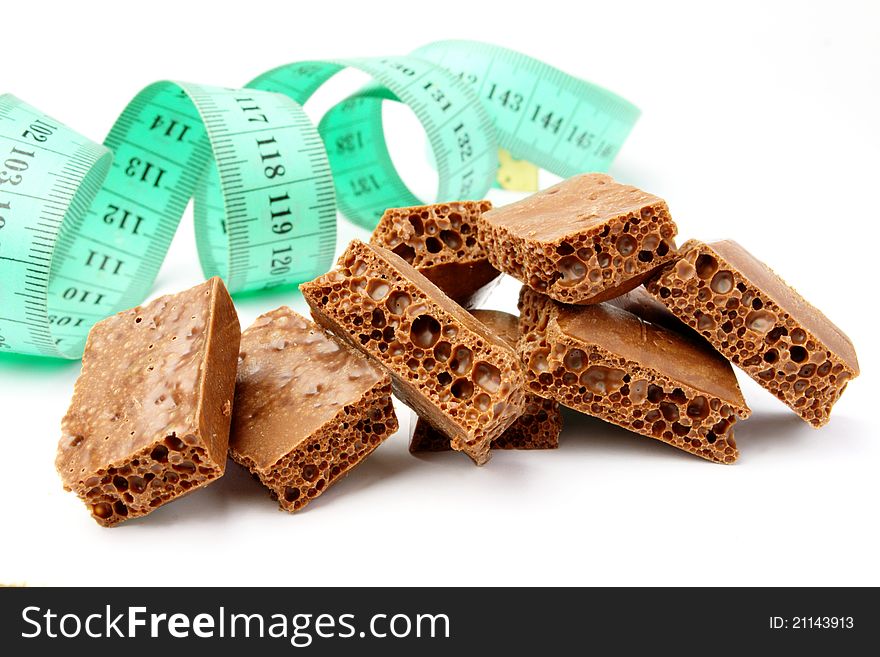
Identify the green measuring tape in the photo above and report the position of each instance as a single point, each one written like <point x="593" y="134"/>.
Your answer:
<point x="85" y="227"/>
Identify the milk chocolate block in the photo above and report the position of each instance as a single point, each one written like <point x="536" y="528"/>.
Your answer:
<point x="761" y="324"/>
<point x="616" y="365"/>
<point x="149" y="419"/>
<point x="586" y="240"/>
<point x="445" y="364"/>
<point x="440" y="241"/>
<point x="640" y="303"/>
<point x="308" y="408"/>
<point x="537" y="428"/>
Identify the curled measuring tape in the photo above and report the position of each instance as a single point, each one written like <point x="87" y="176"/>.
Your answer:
<point x="84" y="227"/>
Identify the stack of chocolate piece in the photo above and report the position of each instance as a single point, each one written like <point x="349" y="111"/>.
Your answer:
<point x="614" y="321"/>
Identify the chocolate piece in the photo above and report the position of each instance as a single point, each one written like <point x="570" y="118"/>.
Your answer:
<point x="308" y="409"/>
<point x="761" y="324"/>
<point x="610" y="363"/>
<point x="440" y="241"/>
<point x="640" y="303"/>
<point x="149" y="418"/>
<point x="503" y="325"/>
<point x="445" y="364"/>
<point x="537" y="428"/>
<point x="585" y="240"/>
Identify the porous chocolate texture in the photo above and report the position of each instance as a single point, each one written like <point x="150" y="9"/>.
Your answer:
<point x="585" y="240"/>
<point x="537" y="428"/>
<point x="149" y="419"/>
<point x="444" y="364"/>
<point x="610" y="363"/>
<point x="308" y="408"/>
<point x="440" y="241"/>
<point x="761" y="324"/>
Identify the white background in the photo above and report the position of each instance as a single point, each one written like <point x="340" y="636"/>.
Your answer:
<point x="759" y="123"/>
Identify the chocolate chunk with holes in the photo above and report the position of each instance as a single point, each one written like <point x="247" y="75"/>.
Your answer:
<point x="444" y="364"/>
<point x="440" y="241"/>
<point x="308" y="408"/>
<point x="537" y="428"/>
<point x="149" y="418"/>
<point x="585" y="240"/>
<point x="761" y="324"/>
<point x="620" y="367"/>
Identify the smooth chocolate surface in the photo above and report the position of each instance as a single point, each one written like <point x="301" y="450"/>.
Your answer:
<point x="620" y="367"/>
<point x="585" y="240"/>
<point x="445" y="364"/>
<point x="637" y="340"/>
<point x="440" y="241"/>
<point x="537" y="428"/>
<point x="761" y="324"/>
<point x="502" y="324"/>
<point x="641" y="303"/>
<point x="308" y="408"/>
<point x="149" y="419"/>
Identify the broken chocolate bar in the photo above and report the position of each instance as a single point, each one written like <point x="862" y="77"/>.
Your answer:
<point x="586" y="240"/>
<point x="537" y="428"/>
<point x="638" y="302"/>
<point x="445" y="364"/>
<point x="761" y="324"/>
<point x="149" y="419"/>
<point x="615" y="365"/>
<point x="440" y="241"/>
<point x="308" y="408"/>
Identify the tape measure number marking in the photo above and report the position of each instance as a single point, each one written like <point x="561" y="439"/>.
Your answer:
<point x="84" y="228"/>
